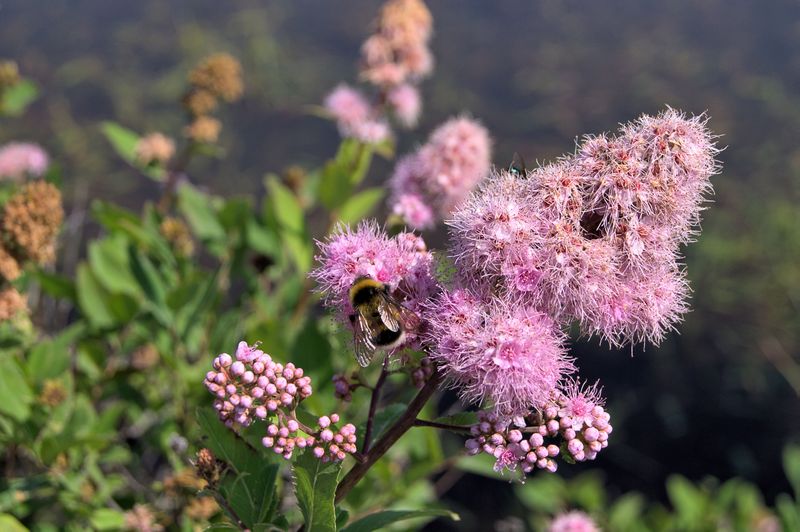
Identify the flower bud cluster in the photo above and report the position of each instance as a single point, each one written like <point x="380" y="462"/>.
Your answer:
<point x="506" y="442"/>
<point x="423" y="372"/>
<point x="217" y="77"/>
<point x="574" y="424"/>
<point x="326" y="442"/>
<point x="253" y="385"/>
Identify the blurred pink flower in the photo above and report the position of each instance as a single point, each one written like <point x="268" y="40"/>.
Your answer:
<point x="413" y="211"/>
<point x="354" y="115"/>
<point x="442" y="172"/>
<point x="18" y="159"/>
<point x="574" y="521"/>
<point x="406" y="104"/>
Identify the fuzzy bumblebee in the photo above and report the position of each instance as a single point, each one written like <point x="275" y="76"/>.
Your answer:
<point x="379" y="321"/>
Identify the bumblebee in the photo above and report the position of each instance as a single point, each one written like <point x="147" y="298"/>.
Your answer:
<point x="379" y="321"/>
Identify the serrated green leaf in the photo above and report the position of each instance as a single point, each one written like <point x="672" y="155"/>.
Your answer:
<point x="122" y="139"/>
<point x="361" y="205"/>
<point x="50" y="358"/>
<point x="222" y="441"/>
<point x="380" y="520"/>
<point x="315" y="487"/>
<point x="196" y="207"/>
<point x="93" y="299"/>
<point x="9" y="523"/>
<point x="147" y="276"/>
<point x="108" y="259"/>
<point x="107" y="519"/>
<point x="17" y="98"/>
<point x="15" y="394"/>
<point x="285" y="206"/>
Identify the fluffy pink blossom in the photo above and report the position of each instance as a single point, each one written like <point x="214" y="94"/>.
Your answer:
<point x="446" y="168"/>
<point x="574" y="521"/>
<point x="657" y="167"/>
<point x="401" y="262"/>
<point x="18" y="159"/>
<point x="413" y="210"/>
<point x="504" y="354"/>
<point x="398" y="51"/>
<point x="355" y="116"/>
<point x="405" y="103"/>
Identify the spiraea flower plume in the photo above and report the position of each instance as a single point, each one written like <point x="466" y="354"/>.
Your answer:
<point x="251" y="386"/>
<point x="355" y="116"/>
<point x="573" y="521"/>
<point x="394" y="60"/>
<point x="398" y="50"/>
<point x="429" y="183"/>
<point x="31" y="221"/>
<point x="19" y="160"/>
<point x="155" y="148"/>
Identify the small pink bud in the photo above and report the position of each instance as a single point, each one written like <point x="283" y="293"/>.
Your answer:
<point x="552" y="450"/>
<point x="292" y="425"/>
<point x="591" y="434"/>
<point x="248" y="377"/>
<point x="334" y="418"/>
<point x="319" y="452"/>
<point x="261" y="412"/>
<point x="324" y="422"/>
<point x="326" y="435"/>
<point x="237" y="368"/>
<point x="267" y="441"/>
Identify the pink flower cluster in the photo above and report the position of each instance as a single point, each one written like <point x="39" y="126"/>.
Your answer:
<point x="595" y="237"/>
<point x="254" y="386"/>
<point x="284" y="437"/>
<point x="394" y="59"/>
<point x="398" y="51"/>
<point x="21" y="159"/>
<point x="401" y="262"/>
<point x="355" y="116"/>
<point x="573" y="424"/>
<point x="496" y="352"/>
<point x="573" y="521"/>
<point x="429" y="183"/>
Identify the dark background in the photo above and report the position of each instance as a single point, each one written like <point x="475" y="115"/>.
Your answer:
<point x="720" y="398"/>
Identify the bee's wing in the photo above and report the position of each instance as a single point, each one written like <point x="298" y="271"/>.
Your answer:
<point x="395" y="316"/>
<point x="362" y="340"/>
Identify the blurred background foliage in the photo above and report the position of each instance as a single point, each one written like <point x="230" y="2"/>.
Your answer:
<point x="719" y="399"/>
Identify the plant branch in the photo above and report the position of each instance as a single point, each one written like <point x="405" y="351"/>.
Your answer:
<point x="229" y="509"/>
<point x="390" y="437"/>
<point x="444" y="426"/>
<point x="373" y="405"/>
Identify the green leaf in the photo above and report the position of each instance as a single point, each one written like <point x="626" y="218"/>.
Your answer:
<point x="689" y="501"/>
<point x="93" y="300"/>
<point x="360" y="205"/>
<point x="300" y="250"/>
<point x="148" y="277"/>
<point x="108" y="259"/>
<point x="107" y="519"/>
<point x="380" y="520"/>
<point x="791" y="465"/>
<point x="285" y="207"/>
<point x="122" y="139"/>
<point x="789" y="512"/>
<point x="626" y="512"/>
<point x="315" y="487"/>
<point x="56" y="285"/>
<point x="17" y="98"/>
<point x="196" y="207"/>
<point x="15" y="394"/>
<point x="50" y="358"/>
<point x="542" y="493"/>
<point x="334" y="186"/>
<point x="9" y="523"/>
<point x="222" y="441"/>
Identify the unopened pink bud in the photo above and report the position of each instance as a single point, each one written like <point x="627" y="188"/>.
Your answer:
<point x="292" y="425"/>
<point x="326" y="435"/>
<point x="237" y="368"/>
<point x="319" y="452"/>
<point x="324" y="422"/>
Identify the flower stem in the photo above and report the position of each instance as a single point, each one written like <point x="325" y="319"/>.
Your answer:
<point x="390" y="437"/>
<point x="373" y="405"/>
<point x="445" y="426"/>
